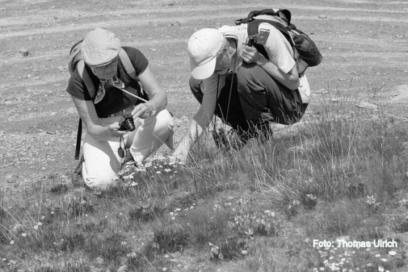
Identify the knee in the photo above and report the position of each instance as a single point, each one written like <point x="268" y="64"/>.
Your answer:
<point x="165" y="120"/>
<point x="246" y="75"/>
<point x="252" y="78"/>
<point x="100" y="180"/>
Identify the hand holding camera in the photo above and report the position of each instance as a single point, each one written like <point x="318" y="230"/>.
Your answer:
<point x="127" y="124"/>
<point x="113" y="130"/>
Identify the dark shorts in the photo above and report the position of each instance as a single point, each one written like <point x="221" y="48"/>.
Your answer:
<point x="252" y="97"/>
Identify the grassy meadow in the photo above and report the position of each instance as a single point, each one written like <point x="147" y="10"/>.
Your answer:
<point x="265" y="207"/>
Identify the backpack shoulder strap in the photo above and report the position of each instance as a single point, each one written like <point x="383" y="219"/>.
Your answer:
<point x="127" y="64"/>
<point x="86" y="78"/>
<point x="80" y="68"/>
<point x="90" y="88"/>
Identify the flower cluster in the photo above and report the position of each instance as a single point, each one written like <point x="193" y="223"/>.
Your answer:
<point x="371" y="202"/>
<point x="250" y="224"/>
<point x="181" y="212"/>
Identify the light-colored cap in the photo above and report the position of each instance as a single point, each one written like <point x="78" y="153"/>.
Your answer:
<point x="203" y="48"/>
<point x="100" y="46"/>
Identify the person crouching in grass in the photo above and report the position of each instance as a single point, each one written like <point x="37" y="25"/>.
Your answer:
<point x="117" y="95"/>
<point x="245" y="88"/>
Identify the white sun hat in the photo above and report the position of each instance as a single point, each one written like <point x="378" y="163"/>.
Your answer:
<point x="203" y="47"/>
<point x="100" y="46"/>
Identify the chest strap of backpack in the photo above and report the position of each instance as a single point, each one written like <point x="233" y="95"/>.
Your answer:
<point x="130" y="70"/>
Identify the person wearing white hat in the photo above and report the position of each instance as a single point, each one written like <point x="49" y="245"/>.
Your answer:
<point x="246" y="88"/>
<point x="117" y="95"/>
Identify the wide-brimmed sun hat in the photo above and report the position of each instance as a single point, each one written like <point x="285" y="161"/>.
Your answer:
<point x="203" y="47"/>
<point x="99" y="47"/>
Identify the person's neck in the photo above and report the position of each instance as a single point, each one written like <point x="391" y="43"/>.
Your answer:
<point x="232" y="44"/>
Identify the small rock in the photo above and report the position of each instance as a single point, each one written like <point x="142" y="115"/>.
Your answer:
<point x="94" y="269"/>
<point x="123" y="268"/>
<point x="399" y="94"/>
<point x="24" y="52"/>
<point x="59" y="189"/>
<point x="322" y="17"/>
<point x="99" y="260"/>
<point x="367" y="105"/>
<point x="176" y="23"/>
<point x="321" y="91"/>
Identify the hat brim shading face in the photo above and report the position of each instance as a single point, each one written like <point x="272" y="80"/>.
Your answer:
<point x="203" y="48"/>
<point x="205" y="70"/>
<point x="106" y="71"/>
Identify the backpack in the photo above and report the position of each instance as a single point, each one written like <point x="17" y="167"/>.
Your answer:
<point x="77" y="64"/>
<point x="305" y="49"/>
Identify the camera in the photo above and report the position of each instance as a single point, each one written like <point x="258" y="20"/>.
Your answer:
<point x="251" y="41"/>
<point x="127" y="124"/>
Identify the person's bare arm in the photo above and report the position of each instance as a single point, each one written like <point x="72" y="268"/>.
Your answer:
<point x="291" y="79"/>
<point x="198" y="124"/>
<point x="87" y="112"/>
<point x="157" y="96"/>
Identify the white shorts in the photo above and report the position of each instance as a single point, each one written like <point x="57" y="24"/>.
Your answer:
<point x="101" y="159"/>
